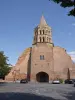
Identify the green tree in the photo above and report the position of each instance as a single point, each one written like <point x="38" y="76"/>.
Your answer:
<point x="67" y="3"/>
<point x="4" y="66"/>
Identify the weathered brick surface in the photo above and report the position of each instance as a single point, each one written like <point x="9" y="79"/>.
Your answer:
<point x="45" y="65"/>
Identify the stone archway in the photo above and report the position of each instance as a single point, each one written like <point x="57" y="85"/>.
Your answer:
<point x="42" y="77"/>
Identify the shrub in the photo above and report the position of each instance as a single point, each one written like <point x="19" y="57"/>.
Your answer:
<point x="61" y="80"/>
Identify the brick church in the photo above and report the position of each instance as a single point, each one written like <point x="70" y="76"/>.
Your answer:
<point x="43" y="61"/>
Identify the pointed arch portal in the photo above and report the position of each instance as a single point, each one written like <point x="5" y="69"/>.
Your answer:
<point x="42" y="77"/>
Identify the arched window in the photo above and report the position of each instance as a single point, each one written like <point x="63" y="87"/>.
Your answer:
<point x="40" y="32"/>
<point x="43" y="39"/>
<point x="43" y="31"/>
<point x="36" y="33"/>
<point x="40" y="39"/>
<point x="47" y="39"/>
<point x="49" y="31"/>
<point x="36" y="39"/>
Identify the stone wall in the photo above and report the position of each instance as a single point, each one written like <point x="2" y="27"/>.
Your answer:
<point x="62" y="61"/>
<point x="19" y="71"/>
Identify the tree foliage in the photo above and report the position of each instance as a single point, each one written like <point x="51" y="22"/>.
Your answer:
<point x="4" y="67"/>
<point x="67" y="3"/>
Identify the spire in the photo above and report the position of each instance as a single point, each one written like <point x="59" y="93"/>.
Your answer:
<point x="42" y="21"/>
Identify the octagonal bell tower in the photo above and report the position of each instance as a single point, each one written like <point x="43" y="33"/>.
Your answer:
<point x="42" y="33"/>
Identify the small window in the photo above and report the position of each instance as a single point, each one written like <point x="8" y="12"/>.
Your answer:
<point x="41" y="57"/>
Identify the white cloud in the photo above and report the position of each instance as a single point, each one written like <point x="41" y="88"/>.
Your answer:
<point x="73" y="24"/>
<point x="72" y="54"/>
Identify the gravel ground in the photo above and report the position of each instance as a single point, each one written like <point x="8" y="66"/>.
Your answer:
<point x="37" y="91"/>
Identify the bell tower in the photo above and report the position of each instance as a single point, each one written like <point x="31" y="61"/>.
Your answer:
<point x="42" y="33"/>
<point x="42" y="53"/>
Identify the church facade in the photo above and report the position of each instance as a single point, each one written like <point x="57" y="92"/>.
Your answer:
<point x="43" y="61"/>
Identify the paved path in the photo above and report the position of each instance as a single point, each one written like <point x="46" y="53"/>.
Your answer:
<point x="36" y="91"/>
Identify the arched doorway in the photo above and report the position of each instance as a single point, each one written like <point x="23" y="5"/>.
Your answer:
<point x="42" y="77"/>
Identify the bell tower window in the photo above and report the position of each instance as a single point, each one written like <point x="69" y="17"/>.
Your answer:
<point x="47" y="39"/>
<point x="43" y="39"/>
<point x="35" y="33"/>
<point x="43" y="31"/>
<point x="40" y="32"/>
<point x="40" y="39"/>
<point x="36" y="39"/>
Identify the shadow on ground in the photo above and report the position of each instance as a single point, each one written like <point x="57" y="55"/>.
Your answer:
<point x="2" y="83"/>
<point x="29" y="96"/>
<point x="70" y="96"/>
<point x="23" y="96"/>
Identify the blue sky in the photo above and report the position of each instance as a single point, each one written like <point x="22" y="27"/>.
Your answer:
<point x="18" y="18"/>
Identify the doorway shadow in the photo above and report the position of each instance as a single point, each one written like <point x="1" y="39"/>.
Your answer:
<point x="42" y="77"/>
